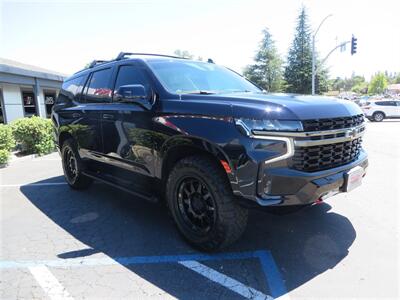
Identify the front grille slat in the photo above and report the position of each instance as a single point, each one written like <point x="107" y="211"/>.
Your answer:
<point x="327" y="156"/>
<point x="334" y="123"/>
<point x="318" y="158"/>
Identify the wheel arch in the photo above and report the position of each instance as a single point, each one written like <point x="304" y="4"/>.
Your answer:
<point x="379" y="111"/>
<point x="65" y="135"/>
<point x="178" y="148"/>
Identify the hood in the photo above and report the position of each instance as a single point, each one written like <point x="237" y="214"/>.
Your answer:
<point x="280" y="106"/>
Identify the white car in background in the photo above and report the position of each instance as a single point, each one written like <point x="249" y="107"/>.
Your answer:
<point x="382" y="109"/>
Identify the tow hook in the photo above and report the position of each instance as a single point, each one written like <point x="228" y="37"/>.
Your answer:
<point x="318" y="201"/>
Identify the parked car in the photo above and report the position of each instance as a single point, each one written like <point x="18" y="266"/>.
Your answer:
<point x="383" y="109"/>
<point x="362" y="101"/>
<point x="205" y="140"/>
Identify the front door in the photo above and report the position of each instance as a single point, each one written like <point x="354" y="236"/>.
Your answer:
<point x="128" y="136"/>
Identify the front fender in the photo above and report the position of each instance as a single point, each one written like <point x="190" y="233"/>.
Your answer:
<point x="220" y="138"/>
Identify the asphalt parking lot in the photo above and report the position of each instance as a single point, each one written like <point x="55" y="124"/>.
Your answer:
<point x="57" y="243"/>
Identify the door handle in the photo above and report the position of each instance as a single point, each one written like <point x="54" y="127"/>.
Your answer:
<point x="76" y="115"/>
<point x="108" y="116"/>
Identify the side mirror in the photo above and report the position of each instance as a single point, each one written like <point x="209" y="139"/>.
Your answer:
<point x="133" y="93"/>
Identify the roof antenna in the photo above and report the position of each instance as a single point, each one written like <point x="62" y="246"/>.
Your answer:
<point x="210" y="61"/>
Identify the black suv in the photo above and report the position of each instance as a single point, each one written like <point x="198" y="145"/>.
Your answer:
<point x="205" y="139"/>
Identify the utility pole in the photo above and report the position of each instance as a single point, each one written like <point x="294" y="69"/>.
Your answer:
<point x="313" y="69"/>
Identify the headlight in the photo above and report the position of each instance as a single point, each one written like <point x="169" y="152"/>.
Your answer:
<point x="251" y="125"/>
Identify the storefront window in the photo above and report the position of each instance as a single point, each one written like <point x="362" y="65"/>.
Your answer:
<point x="49" y="99"/>
<point x="29" y="104"/>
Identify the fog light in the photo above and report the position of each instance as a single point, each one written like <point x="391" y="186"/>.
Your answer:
<point x="267" y="188"/>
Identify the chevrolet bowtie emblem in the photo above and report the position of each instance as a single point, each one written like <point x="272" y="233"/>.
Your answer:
<point x="351" y="133"/>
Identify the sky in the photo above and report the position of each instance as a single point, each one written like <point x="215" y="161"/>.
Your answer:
<point x="64" y="35"/>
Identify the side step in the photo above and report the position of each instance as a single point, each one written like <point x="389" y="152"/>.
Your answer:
<point x="152" y="199"/>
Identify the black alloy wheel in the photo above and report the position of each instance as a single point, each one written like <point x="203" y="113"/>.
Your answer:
<point x="196" y="205"/>
<point x="73" y="166"/>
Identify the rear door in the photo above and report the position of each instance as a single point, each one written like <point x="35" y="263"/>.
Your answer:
<point x="391" y="108"/>
<point x="397" y="109"/>
<point x="70" y="113"/>
<point x="387" y="107"/>
<point x="96" y="95"/>
<point x="127" y="131"/>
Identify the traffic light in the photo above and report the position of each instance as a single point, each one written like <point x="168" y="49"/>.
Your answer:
<point x="353" y="45"/>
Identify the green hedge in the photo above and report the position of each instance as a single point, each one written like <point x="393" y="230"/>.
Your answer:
<point x="34" y="134"/>
<point x="4" y="156"/>
<point x="7" y="143"/>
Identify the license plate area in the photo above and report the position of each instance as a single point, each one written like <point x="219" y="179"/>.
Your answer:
<point x="353" y="178"/>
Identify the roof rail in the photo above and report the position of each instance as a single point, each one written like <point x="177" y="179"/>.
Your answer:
<point x="96" y="62"/>
<point x="92" y="64"/>
<point x="123" y="55"/>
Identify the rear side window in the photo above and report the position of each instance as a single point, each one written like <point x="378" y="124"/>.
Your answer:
<point x="98" y="88"/>
<point x="386" y="103"/>
<point x="130" y="74"/>
<point x="70" y="89"/>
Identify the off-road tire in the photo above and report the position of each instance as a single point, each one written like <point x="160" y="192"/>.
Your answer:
<point x="230" y="218"/>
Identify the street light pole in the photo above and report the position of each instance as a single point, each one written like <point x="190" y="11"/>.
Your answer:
<point x="313" y="56"/>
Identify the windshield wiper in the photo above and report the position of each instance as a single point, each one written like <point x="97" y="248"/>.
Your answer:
<point x="200" y="92"/>
<point x="240" y="91"/>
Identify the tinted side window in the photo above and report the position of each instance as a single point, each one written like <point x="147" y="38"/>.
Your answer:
<point x="98" y="88"/>
<point x="132" y="75"/>
<point x="386" y="103"/>
<point x="70" y="89"/>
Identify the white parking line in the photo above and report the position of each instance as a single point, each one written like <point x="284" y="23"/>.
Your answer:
<point x="33" y="184"/>
<point x="51" y="286"/>
<point x="224" y="280"/>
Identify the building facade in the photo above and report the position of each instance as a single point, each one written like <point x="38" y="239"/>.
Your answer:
<point x="26" y="90"/>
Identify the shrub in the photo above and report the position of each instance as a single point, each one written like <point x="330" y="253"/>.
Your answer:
<point x="34" y="134"/>
<point x="7" y="141"/>
<point x="4" y="156"/>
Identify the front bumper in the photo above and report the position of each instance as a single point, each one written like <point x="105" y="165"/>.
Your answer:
<point x="269" y="177"/>
<point x="285" y="186"/>
<point x="297" y="168"/>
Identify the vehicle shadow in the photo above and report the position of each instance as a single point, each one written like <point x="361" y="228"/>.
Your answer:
<point x="304" y="244"/>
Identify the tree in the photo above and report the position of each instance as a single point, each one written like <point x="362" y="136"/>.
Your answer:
<point x="355" y="83"/>
<point x="183" y="53"/>
<point x="266" y="72"/>
<point x="378" y="84"/>
<point x="321" y="79"/>
<point x="298" y="71"/>
<point x="393" y="78"/>
<point x="397" y="79"/>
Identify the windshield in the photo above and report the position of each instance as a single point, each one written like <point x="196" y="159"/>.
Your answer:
<point x="190" y="77"/>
